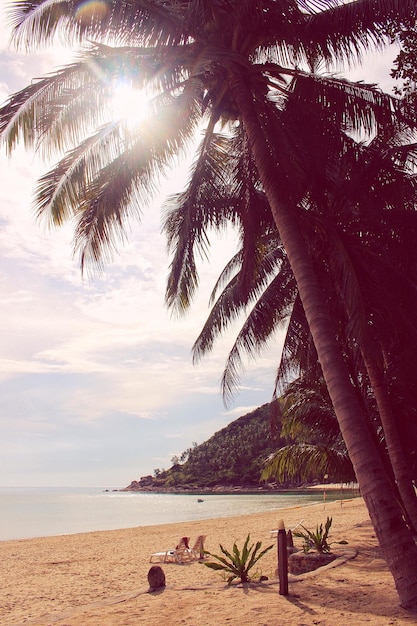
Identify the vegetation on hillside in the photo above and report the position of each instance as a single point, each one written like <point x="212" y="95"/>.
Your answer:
<point x="234" y="456"/>
<point x="293" y="441"/>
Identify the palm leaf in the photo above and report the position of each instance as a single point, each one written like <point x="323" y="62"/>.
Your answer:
<point x="343" y="29"/>
<point x="306" y="463"/>
<point x="139" y="22"/>
<point x="189" y="218"/>
<point x="258" y="554"/>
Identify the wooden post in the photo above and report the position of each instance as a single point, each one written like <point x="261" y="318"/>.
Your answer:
<point x="282" y="559"/>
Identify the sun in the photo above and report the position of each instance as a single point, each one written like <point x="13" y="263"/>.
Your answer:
<point x="129" y="105"/>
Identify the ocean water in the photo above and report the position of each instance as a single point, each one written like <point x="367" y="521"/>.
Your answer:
<point x="40" y="512"/>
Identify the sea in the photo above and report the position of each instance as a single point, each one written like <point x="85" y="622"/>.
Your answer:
<point x="47" y="511"/>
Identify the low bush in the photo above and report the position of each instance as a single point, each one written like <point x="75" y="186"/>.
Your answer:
<point x="238" y="563"/>
<point x="315" y="540"/>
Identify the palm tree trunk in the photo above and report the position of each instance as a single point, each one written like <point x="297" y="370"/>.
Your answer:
<point x="393" y="443"/>
<point x="394" y="537"/>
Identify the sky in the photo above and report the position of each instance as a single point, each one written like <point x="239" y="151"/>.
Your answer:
<point x="97" y="384"/>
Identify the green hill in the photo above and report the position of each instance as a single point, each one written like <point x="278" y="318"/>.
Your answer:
<point x="231" y="458"/>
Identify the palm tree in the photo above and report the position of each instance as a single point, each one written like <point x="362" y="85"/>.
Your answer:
<point x="361" y="251"/>
<point x="231" y="61"/>
<point x="317" y="449"/>
<point x="230" y="374"/>
<point x="274" y="307"/>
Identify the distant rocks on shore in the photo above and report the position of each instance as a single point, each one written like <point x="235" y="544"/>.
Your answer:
<point x="148" y="483"/>
<point x="152" y="484"/>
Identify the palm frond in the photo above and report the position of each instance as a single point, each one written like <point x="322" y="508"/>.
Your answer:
<point x="128" y="182"/>
<point x="306" y="463"/>
<point x="353" y="106"/>
<point x="56" y="112"/>
<point x="189" y="217"/>
<point x="298" y="354"/>
<point x="269" y="313"/>
<point x="307" y="414"/>
<point x="62" y="191"/>
<point x="232" y="302"/>
<point x="31" y="113"/>
<point x="139" y="22"/>
<point x="347" y="29"/>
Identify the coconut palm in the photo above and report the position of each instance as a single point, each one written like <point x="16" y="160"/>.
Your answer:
<point x="386" y="187"/>
<point x="213" y="61"/>
<point x="376" y="301"/>
<point x="279" y="302"/>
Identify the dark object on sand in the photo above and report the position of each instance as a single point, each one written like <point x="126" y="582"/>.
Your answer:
<point x="156" y="578"/>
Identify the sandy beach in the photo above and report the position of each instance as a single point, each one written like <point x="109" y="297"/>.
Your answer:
<point x="100" y="578"/>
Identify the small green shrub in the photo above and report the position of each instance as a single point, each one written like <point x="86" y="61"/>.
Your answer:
<point x="236" y="563"/>
<point x="316" y="540"/>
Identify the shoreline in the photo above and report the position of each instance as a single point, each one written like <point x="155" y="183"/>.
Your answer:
<point x="100" y="578"/>
<point x="230" y="489"/>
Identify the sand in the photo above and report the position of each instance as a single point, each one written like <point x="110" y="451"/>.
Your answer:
<point x="100" y="578"/>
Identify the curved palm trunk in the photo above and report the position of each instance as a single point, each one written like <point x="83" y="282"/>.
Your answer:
<point x="397" y="544"/>
<point x="393" y="443"/>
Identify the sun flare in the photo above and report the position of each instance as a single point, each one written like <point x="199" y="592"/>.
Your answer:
<point x="91" y="9"/>
<point x="129" y="105"/>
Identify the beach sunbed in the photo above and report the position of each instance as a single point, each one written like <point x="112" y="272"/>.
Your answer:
<point x="197" y="550"/>
<point x="181" y="554"/>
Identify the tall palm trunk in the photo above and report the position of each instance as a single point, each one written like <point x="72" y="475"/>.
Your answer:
<point x="392" y="440"/>
<point x="394" y="536"/>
